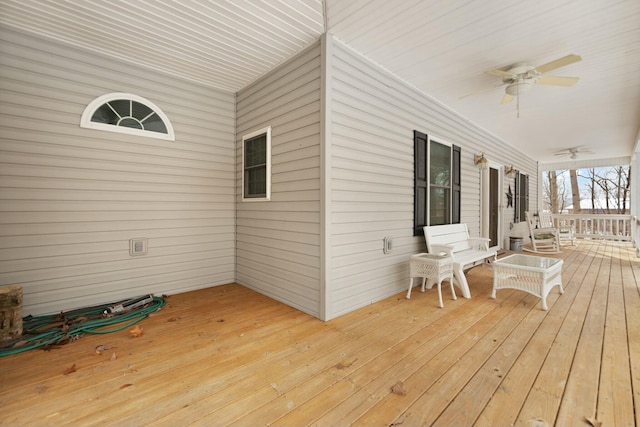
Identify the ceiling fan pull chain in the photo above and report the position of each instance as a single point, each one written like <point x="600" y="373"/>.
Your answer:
<point x="518" y="101"/>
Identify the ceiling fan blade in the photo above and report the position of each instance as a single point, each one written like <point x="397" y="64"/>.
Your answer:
<point x="506" y="98"/>
<point x="561" y="62"/>
<point x="500" y="73"/>
<point x="557" y="80"/>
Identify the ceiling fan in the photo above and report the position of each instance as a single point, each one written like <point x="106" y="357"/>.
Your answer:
<point x="519" y="78"/>
<point x="573" y="152"/>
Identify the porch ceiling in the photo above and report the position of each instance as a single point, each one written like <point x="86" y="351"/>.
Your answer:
<point x="442" y="48"/>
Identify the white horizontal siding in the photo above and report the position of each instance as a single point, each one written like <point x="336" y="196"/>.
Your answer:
<point x="278" y="248"/>
<point x="373" y="118"/>
<point x="71" y="198"/>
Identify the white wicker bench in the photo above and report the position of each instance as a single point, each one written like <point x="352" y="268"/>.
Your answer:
<point x="467" y="252"/>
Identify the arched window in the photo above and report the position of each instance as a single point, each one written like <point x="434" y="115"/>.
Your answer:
<point x="127" y="113"/>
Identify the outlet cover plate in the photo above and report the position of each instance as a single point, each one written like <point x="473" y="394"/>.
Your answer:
<point x="138" y="246"/>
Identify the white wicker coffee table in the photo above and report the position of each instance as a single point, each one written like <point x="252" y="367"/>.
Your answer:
<point x="433" y="267"/>
<point x="533" y="274"/>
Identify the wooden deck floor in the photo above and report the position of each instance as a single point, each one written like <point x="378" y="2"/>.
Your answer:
<point x="229" y="356"/>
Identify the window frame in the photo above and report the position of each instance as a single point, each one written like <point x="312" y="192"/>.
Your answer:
<point x="423" y="186"/>
<point x="267" y="196"/>
<point x="89" y="111"/>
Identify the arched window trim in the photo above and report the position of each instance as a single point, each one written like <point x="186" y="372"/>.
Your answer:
<point x="85" y="120"/>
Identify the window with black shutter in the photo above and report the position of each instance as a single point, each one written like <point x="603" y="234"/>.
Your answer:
<point x="437" y="186"/>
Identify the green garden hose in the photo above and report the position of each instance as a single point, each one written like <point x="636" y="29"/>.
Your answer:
<point x="57" y="329"/>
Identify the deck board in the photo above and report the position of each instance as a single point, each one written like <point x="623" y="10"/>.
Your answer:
<point x="631" y="289"/>
<point x="485" y="337"/>
<point x="507" y="401"/>
<point x="399" y="363"/>
<point x="581" y="391"/>
<point x="615" y="403"/>
<point x="229" y="356"/>
<point x="467" y="405"/>
<point x="546" y="394"/>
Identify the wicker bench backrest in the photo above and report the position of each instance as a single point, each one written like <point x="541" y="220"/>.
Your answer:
<point x="456" y="235"/>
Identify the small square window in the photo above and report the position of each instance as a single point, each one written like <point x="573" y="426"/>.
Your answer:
<point x="256" y="165"/>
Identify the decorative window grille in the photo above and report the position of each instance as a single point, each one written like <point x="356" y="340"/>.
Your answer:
<point x="127" y="113"/>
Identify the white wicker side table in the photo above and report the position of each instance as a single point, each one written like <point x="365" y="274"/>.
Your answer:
<point x="533" y="274"/>
<point x="433" y="267"/>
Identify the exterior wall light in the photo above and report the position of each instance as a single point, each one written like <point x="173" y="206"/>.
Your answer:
<point x="480" y="161"/>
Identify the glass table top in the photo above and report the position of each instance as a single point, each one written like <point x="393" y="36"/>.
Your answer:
<point x="529" y="261"/>
<point x="431" y="256"/>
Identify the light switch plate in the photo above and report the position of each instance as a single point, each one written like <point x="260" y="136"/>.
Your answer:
<point x="387" y="245"/>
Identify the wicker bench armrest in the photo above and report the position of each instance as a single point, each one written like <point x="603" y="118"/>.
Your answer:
<point x="479" y="242"/>
<point x="448" y="249"/>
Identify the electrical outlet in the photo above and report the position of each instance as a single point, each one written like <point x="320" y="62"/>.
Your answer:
<point x="138" y="246"/>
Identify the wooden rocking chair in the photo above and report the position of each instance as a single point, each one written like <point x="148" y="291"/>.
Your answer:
<point x="543" y="240"/>
<point x="566" y="228"/>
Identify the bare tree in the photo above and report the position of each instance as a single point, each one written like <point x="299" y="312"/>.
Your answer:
<point x="563" y="197"/>
<point x="552" y="178"/>
<point x="608" y="188"/>
<point x="614" y="183"/>
<point x="555" y="191"/>
<point x="591" y="187"/>
<point x="627" y="189"/>
<point x="575" y="191"/>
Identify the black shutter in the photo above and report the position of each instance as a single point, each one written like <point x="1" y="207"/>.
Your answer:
<point x="525" y="195"/>
<point x="456" y="187"/>
<point x="420" y="166"/>
<point x="516" y="199"/>
<point x="521" y="197"/>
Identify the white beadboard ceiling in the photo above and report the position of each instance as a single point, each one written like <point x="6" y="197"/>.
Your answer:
<point x="443" y="48"/>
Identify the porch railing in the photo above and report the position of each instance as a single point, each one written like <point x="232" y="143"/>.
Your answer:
<point x="635" y="232"/>
<point x="600" y="226"/>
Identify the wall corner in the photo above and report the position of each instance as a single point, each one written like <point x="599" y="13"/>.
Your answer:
<point x="326" y="47"/>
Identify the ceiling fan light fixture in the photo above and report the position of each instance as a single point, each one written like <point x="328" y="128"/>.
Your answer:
<point x="519" y="87"/>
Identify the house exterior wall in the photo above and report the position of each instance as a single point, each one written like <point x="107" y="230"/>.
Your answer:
<point x="342" y="162"/>
<point x="373" y="115"/>
<point x="71" y="198"/>
<point x="278" y="241"/>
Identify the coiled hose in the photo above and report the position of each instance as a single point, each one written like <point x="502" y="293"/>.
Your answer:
<point x="56" y="329"/>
